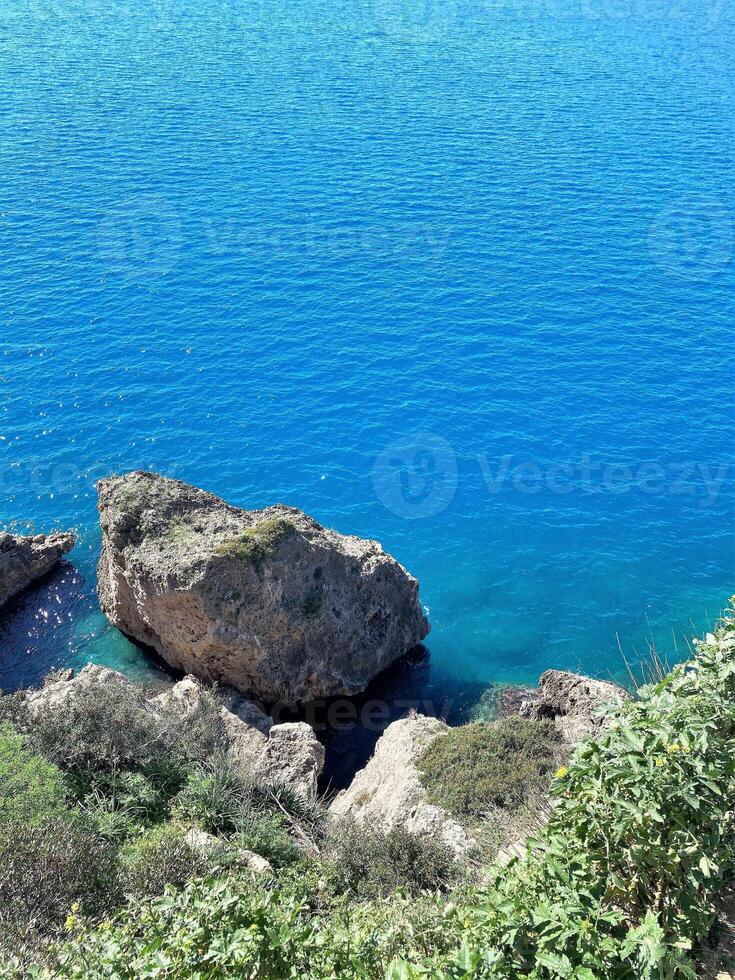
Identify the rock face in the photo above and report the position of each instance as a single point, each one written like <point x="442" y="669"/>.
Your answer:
<point x="388" y="792"/>
<point x="266" y="601"/>
<point x="25" y="559"/>
<point x="292" y="756"/>
<point x="573" y="701"/>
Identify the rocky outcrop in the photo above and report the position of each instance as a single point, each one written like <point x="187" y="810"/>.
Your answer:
<point x="64" y="687"/>
<point x="574" y="702"/>
<point x="294" y="757"/>
<point x="288" y="755"/>
<point x="24" y="559"/>
<point x="388" y="792"/>
<point x="246" y="725"/>
<point x="266" y="601"/>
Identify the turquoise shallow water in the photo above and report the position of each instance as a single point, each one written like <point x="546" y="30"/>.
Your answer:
<point x="458" y="277"/>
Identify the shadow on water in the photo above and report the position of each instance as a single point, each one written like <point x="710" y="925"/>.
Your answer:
<point x="349" y="728"/>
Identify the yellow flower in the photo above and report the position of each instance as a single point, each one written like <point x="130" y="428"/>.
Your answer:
<point x="673" y="748"/>
<point x="660" y="762"/>
<point x="71" y="921"/>
<point x="561" y="772"/>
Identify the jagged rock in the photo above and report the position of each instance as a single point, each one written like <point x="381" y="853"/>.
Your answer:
<point x="573" y="702"/>
<point x="388" y="792"/>
<point x="200" y="840"/>
<point x="246" y="725"/>
<point x="287" y="754"/>
<point x="293" y="757"/>
<point x="24" y="559"/>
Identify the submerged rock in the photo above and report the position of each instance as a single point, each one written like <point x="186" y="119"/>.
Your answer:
<point x="574" y="702"/>
<point x="24" y="559"/>
<point x="389" y="793"/>
<point x="266" y="601"/>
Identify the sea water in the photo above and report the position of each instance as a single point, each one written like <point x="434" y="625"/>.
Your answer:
<point x="455" y="276"/>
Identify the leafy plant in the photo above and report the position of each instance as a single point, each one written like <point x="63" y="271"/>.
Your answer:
<point x="48" y="867"/>
<point x="157" y="858"/>
<point x="371" y="863"/>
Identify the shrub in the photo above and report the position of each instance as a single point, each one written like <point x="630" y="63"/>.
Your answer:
<point x="267" y="834"/>
<point x="216" y="795"/>
<point x="620" y="883"/>
<point x="31" y="790"/>
<point x="109" y="742"/>
<point x="249" y="929"/>
<point x="45" y="869"/>
<point x="472" y="770"/>
<point x="370" y="863"/>
<point x="157" y="858"/>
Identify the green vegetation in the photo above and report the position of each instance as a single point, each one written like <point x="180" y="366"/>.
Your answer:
<point x="30" y="788"/>
<point x="258" y="542"/>
<point x="368" y="863"/>
<point x="618" y="886"/>
<point x="473" y="770"/>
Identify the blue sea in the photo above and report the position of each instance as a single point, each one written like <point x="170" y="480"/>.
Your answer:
<point x="456" y="276"/>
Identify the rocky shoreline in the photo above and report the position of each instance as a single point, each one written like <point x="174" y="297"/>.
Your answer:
<point x="267" y="609"/>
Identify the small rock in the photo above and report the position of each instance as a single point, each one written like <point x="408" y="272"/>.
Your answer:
<point x="205" y="843"/>
<point x="574" y="702"/>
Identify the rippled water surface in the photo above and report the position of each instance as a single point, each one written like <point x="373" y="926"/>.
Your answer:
<point x="455" y="276"/>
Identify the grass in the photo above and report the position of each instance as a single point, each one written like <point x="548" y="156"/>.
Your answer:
<point x="258" y="542"/>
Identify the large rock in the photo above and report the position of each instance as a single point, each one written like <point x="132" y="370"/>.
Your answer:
<point x="574" y="702"/>
<point x="266" y="601"/>
<point x="388" y="792"/>
<point x="24" y="559"/>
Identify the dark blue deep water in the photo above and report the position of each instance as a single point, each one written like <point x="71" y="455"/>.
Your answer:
<point x="457" y="276"/>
